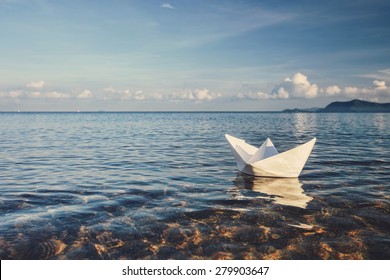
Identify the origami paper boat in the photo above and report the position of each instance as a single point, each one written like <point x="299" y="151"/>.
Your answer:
<point x="266" y="161"/>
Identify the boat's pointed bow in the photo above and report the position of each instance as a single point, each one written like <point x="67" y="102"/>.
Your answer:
<point x="311" y="143"/>
<point x="232" y="139"/>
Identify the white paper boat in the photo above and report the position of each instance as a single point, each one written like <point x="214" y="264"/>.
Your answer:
<point x="266" y="161"/>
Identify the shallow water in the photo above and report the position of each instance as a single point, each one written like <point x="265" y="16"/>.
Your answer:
<point x="165" y="185"/>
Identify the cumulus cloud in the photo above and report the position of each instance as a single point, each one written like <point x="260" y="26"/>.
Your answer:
<point x="113" y="93"/>
<point x="158" y="96"/>
<point x="49" y="95"/>
<point x="11" y="94"/>
<point x="377" y="91"/>
<point x="34" y="94"/>
<point x="138" y="95"/>
<point x="254" y="95"/>
<point x="351" y="90"/>
<point x="298" y="86"/>
<point x="18" y="94"/>
<point x="36" y="85"/>
<point x="280" y="94"/>
<point x="167" y="6"/>
<point x="197" y="95"/>
<point x="56" y="95"/>
<point x="380" y="85"/>
<point x="86" y="94"/>
<point x="204" y="94"/>
<point x="332" y="90"/>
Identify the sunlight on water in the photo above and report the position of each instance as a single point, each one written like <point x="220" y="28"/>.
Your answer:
<point x="165" y="185"/>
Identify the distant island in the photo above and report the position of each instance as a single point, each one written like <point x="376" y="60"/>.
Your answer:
<point x="353" y="106"/>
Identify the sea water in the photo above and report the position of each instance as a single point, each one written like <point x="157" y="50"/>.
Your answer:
<point x="165" y="186"/>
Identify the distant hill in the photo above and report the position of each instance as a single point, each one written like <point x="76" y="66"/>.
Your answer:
<point x="353" y="106"/>
<point x="310" y="110"/>
<point x="357" y="105"/>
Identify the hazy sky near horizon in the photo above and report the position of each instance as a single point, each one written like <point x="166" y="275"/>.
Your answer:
<point x="130" y="55"/>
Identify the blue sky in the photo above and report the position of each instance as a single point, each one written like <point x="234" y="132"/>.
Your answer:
<point x="191" y="55"/>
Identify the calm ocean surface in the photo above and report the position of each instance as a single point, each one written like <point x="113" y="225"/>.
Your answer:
<point x="165" y="185"/>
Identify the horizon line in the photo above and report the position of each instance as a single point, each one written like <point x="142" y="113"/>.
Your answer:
<point x="144" y="111"/>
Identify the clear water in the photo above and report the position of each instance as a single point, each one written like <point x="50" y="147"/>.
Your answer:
<point x="165" y="185"/>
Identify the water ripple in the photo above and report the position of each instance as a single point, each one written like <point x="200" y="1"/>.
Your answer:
<point x="165" y="185"/>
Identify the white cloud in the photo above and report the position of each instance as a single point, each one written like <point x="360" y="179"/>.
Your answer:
<point x="298" y="86"/>
<point x="18" y="94"/>
<point x="110" y="89"/>
<point x="333" y="90"/>
<point x="49" y="95"/>
<point x="86" y="94"/>
<point x="280" y="94"/>
<point x="197" y="95"/>
<point x="35" y="94"/>
<point x="351" y="90"/>
<point x="56" y="95"/>
<point x="204" y="94"/>
<point x="36" y="85"/>
<point x="138" y="95"/>
<point x="12" y="94"/>
<point x="15" y="93"/>
<point x="254" y="95"/>
<point x="379" y="91"/>
<point x="126" y="94"/>
<point x="380" y="85"/>
<point x="167" y="6"/>
<point x="158" y="96"/>
<point x="114" y="93"/>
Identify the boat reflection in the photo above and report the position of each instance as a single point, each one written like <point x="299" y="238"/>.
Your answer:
<point x="284" y="191"/>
